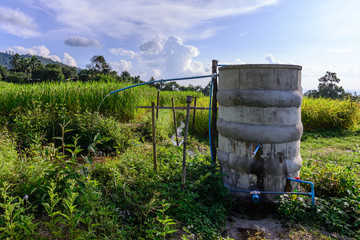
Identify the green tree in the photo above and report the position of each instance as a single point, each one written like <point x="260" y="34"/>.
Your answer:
<point x="53" y="72"/>
<point x="328" y="88"/>
<point x="171" y="86"/>
<point x="15" y="62"/>
<point x="3" y="73"/>
<point x="70" y="73"/>
<point x="33" y="64"/>
<point x="85" y="75"/>
<point x="99" y="65"/>
<point x="24" y="65"/>
<point x="17" y="77"/>
<point x="151" y="80"/>
<point x="39" y="73"/>
<point x="206" y="90"/>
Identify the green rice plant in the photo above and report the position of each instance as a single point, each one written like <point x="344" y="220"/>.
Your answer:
<point x="200" y="128"/>
<point x="330" y="113"/>
<point x="76" y="97"/>
<point x="179" y="97"/>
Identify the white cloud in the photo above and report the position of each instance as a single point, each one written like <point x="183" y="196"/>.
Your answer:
<point x="69" y="60"/>
<point x="121" y="66"/>
<point x="168" y="58"/>
<point x="76" y="41"/>
<point x="122" y="52"/>
<point x="235" y="62"/>
<point x="17" y="23"/>
<point x="163" y="58"/>
<point x="340" y="50"/>
<point x="171" y="57"/>
<point x="270" y="58"/>
<point x="147" y="18"/>
<point x="35" y="50"/>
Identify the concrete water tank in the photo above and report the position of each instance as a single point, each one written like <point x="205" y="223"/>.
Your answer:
<point x="259" y="112"/>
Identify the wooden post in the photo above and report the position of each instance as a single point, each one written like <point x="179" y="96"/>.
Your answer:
<point x="214" y="132"/>
<point x="153" y="134"/>
<point x="173" y="108"/>
<point x="157" y="104"/>
<point x="193" y="122"/>
<point x="188" y="101"/>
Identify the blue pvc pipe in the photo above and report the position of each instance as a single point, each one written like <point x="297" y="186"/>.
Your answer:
<point x="156" y="81"/>
<point x="270" y="192"/>
<point x="255" y="198"/>
<point x="257" y="148"/>
<point x="312" y="193"/>
<point x="162" y="80"/>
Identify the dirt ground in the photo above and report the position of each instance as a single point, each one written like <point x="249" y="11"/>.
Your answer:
<point x="254" y="222"/>
<point x="260" y="222"/>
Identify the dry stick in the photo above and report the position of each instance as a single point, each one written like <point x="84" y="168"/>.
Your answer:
<point x="176" y="136"/>
<point x="193" y="123"/>
<point x="188" y="101"/>
<point x="214" y="110"/>
<point x="153" y="134"/>
<point x="157" y="104"/>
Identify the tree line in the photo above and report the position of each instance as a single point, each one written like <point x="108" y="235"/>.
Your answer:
<point x="30" y="70"/>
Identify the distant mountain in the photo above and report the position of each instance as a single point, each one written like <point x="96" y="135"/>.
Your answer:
<point x="5" y="59"/>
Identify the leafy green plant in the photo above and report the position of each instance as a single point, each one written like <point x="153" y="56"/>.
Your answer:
<point x="52" y="210"/>
<point x="15" y="223"/>
<point x="164" y="222"/>
<point x="72" y="216"/>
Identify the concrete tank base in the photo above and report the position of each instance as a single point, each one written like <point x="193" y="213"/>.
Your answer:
<point x="259" y="108"/>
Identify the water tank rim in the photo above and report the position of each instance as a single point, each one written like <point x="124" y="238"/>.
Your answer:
<point x="272" y="66"/>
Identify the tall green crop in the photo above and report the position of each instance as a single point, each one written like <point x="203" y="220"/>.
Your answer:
<point x="330" y="113"/>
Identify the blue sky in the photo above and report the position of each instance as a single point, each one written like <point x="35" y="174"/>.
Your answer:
<point x="171" y="38"/>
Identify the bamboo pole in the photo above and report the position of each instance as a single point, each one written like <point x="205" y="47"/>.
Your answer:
<point x="176" y="135"/>
<point x="188" y="101"/>
<point x="157" y="104"/>
<point x="153" y="134"/>
<point x="193" y="122"/>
